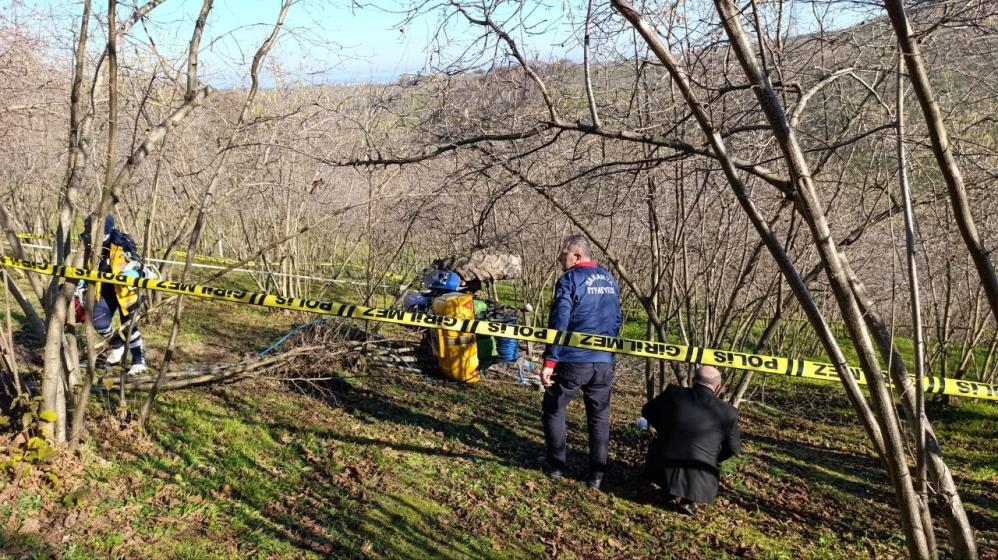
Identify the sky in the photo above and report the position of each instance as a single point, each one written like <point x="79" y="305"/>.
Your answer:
<point x="333" y="41"/>
<point x="342" y="41"/>
<point x="324" y="41"/>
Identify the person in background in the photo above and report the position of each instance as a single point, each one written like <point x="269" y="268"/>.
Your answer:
<point x="695" y="432"/>
<point x="586" y="299"/>
<point x="120" y="256"/>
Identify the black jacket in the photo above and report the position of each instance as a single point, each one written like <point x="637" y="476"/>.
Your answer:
<point x="696" y="431"/>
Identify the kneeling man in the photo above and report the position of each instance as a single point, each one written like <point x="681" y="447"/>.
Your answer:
<point x="695" y="432"/>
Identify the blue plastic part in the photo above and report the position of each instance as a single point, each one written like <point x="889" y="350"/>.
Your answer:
<point x="443" y="280"/>
<point x="507" y="349"/>
<point x="416" y="302"/>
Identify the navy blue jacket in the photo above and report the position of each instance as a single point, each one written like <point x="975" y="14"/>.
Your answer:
<point x="111" y="235"/>
<point x="586" y="299"/>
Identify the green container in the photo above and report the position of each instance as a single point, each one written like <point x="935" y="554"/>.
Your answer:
<point x="487" y="349"/>
<point x="487" y="354"/>
<point x="480" y="308"/>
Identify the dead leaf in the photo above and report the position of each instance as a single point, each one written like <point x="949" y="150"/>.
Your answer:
<point x="31" y="525"/>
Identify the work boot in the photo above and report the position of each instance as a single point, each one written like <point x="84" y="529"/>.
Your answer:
<point x="114" y="356"/>
<point x="596" y="481"/>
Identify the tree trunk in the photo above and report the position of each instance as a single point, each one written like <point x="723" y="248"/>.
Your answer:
<point x="961" y="532"/>
<point x="943" y="151"/>
<point x="813" y="213"/>
<point x="919" y="420"/>
<point x="57" y="297"/>
<point x="96" y="225"/>
<point x="772" y="243"/>
<point x="208" y="194"/>
<point x="811" y="210"/>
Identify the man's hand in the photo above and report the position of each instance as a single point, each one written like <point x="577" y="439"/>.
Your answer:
<point x="547" y="377"/>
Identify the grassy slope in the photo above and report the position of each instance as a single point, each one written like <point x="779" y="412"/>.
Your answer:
<point x="399" y="465"/>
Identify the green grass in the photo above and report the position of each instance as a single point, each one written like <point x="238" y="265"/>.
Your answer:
<point x="402" y="466"/>
<point x="395" y="465"/>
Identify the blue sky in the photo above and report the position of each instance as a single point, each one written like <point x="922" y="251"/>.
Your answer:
<point x="340" y="41"/>
<point x="333" y="41"/>
<point x="332" y="37"/>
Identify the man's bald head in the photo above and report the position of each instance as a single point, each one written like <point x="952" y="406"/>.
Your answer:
<point x="707" y="376"/>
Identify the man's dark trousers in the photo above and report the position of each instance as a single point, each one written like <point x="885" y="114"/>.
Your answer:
<point x="595" y="379"/>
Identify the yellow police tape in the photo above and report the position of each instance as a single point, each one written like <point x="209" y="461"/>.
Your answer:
<point x="205" y="259"/>
<point x="776" y="365"/>
<point x="34" y="236"/>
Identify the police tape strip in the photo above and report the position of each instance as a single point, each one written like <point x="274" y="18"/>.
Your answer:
<point x="776" y="365"/>
<point x="208" y="259"/>
<point x="34" y="236"/>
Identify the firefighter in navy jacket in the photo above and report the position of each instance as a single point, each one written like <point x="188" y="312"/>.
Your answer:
<point x="586" y="299"/>
<point x="117" y="249"/>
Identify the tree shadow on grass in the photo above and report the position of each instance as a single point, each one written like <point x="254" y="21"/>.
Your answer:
<point x="238" y="338"/>
<point x="974" y="494"/>
<point x="316" y="505"/>
<point x="495" y="428"/>
<point x="819" y="487"/>
<point x="849" y="472"/>
<point x="305" y="509"/>
<point x="400" y="526"/>
<point x="502" y="430"/>
<point x="860" y="475"/>
<point x="340" y="510"/>
<point x="24" y="545"/>
<point x="800" y="482"/>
